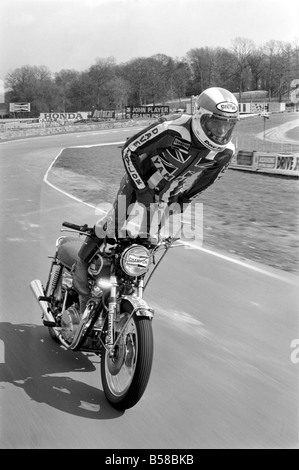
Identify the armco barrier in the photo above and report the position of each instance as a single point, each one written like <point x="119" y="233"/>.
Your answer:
<point x="266" y="162"/>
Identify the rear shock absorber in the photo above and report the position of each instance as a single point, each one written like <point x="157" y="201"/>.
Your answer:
<point x="53" y="278"/>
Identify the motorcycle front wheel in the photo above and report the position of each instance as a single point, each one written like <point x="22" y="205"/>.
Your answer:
<point x="126" y="372"/>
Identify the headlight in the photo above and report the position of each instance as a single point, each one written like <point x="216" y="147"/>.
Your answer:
<point x="135" y="260"/>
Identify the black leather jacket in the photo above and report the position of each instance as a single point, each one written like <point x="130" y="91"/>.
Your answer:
<point x="167" y="158"/>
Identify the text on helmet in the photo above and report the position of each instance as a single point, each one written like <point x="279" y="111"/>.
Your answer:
<point x="227" y="107"/>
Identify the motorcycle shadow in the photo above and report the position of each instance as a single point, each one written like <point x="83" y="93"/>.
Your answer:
<point x="31" y="361"/>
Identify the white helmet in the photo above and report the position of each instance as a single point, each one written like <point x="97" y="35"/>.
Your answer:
<point x="215" y="116"/>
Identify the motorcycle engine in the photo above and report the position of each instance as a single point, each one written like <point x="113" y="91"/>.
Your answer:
<point x="69" y="322"/>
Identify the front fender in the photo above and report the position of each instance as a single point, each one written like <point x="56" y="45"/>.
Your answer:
<point x="136" y="303"/>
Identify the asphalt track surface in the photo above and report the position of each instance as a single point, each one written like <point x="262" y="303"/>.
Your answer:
<point x="225" y="372"/>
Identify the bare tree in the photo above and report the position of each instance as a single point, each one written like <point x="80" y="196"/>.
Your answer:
<point x="243" y="49"/>
<point x="34" y="85"/>
<point x="119" y="90"/>
<point x="101" y="73"/>
<point x="158" y="78"/>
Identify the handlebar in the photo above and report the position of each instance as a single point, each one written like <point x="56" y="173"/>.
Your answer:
<point x="89" y="231"/>
<point x="78" y="228"/>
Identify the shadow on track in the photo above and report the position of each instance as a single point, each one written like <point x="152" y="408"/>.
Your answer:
<point x="32" y="360"/>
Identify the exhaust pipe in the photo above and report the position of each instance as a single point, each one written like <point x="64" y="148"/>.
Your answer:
<point x="38" y="291"/>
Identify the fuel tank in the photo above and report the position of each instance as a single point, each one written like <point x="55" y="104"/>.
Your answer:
<point x="68" y="249"/>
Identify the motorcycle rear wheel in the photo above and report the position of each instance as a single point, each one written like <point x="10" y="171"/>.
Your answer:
<point x="125" y="375"/>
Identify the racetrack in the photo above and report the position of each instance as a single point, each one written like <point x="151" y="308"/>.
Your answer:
<point x="224" y="375"/>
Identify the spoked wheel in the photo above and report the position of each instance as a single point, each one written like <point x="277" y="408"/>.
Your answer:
<point x="126" y="372"/>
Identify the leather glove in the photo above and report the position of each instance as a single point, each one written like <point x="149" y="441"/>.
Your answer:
<point x="184" y="200"/>
<point x="145" y="196"/>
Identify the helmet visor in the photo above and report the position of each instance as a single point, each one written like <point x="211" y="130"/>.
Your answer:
<point x="218" y="129"/>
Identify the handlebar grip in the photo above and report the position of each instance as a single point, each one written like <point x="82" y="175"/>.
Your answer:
<point x="72" y="226"/>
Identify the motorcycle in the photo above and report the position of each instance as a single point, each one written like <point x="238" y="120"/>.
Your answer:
<point x="117" y="322"/>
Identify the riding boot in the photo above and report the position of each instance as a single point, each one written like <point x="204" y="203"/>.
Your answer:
<point x="80" y="270"/>
<point x="80" y="277"/>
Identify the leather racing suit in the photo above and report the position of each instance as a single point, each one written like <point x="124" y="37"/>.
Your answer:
<point x="166" y="163"/>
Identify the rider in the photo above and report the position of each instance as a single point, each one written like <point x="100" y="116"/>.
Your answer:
<point x="170" y="161"/>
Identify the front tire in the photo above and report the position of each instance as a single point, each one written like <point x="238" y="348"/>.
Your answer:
<point x="53" y="335"/>
<point x="125" y="375"/>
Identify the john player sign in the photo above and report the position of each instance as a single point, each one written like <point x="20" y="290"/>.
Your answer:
<point x="145" y="111"/>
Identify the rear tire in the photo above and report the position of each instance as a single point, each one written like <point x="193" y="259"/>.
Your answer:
<point x="125" y="375"/>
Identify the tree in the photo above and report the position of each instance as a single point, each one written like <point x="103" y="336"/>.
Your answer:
<point x="270" y="50"/>
<point x="224" y="70"/>
<point x="100" y="74"/>
<point x="34" y="85"/>
<point x="119" y="91"/>
<point x="202" y="66"/>
<point x="65" y="80"/>
<point x="136" y="71"/>
<point x="242" y="49"/>
<point x="181" y="76"/>
<point x="158" y="78"/>
<point x="257" y="63"/>
<point x="285" y="59"/>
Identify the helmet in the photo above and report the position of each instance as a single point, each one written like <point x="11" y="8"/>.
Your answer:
<point x="215" y="116"/>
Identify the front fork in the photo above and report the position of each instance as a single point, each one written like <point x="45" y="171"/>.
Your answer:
<point x="112" y="313"/>
<point x="138" y="306"/>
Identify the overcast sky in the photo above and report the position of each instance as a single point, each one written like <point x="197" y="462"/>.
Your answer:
<point x="62" y="34"/>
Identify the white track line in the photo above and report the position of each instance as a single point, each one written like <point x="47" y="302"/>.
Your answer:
<point x="95" y="145"/>
<point x="45" y="179"/>
<point x="205" y="250"/>
<point x="244" y="264"/>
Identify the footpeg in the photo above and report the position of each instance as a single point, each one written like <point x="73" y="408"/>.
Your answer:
<point x="49" y="323"/>
<point x="43" y="297"/>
